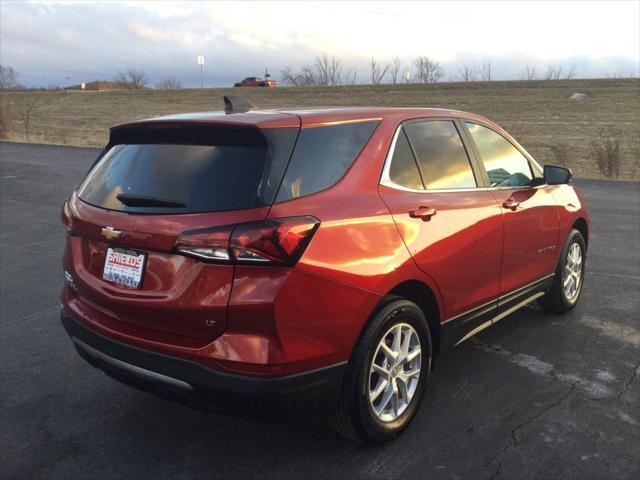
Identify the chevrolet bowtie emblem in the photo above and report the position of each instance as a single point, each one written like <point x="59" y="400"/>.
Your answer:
<point x="110" y="233"/>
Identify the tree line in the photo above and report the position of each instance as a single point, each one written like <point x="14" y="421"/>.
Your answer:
<point x="329" y="70"/>
<point x="132" y="79"/>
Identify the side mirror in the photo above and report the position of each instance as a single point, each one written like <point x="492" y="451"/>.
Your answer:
<point x="554" y="175"/>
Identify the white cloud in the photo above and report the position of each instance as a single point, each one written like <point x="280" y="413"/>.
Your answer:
<point x="47" y="41"/>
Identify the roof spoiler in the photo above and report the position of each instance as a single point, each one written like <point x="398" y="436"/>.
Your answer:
<point x="236" y="104"/>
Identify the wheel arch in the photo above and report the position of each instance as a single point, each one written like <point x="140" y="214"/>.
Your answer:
<point x="421" y="294"/>
<point x="581" y="225"/>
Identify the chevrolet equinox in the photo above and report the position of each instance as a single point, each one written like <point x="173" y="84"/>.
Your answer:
<point x="270" y="262"/>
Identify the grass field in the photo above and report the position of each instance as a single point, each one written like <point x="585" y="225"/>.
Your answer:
<point x="538" y="113"/>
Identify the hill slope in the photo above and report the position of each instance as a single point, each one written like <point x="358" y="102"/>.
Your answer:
<point x="538" y="113"/>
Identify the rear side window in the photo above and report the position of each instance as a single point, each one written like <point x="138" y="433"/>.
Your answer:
<point x="441" y="155"/>
<point x="178" y="178"/>
<point x="505" y="165"/>
<point x="322" y="156"/>
<point x="404" y="169"/>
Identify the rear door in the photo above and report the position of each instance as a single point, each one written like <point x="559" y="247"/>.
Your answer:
<point x="530" y="212"/>
<point x="452" y="229"/>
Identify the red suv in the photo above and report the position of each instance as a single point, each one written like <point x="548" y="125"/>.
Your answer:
<point x="271" y="262"/>
<point x="255" y="82"/>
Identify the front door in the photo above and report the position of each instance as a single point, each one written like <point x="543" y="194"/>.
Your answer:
<point x="530" y="213"/>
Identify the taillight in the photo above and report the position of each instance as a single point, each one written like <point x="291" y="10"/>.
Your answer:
<point x="275" y="242"/>
<point x="207" y="244"/>
<point x="66" y="216"/>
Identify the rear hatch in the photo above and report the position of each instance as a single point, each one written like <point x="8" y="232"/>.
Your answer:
<point x="154" y="184"/>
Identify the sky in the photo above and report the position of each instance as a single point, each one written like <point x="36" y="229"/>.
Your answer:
<point x="59" y="43"/>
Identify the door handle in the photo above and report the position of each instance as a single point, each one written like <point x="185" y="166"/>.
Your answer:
<point x="511" y="204"/>
<point x="425" y="213"/>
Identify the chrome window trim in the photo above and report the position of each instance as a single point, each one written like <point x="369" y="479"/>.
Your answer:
<point x="531" y="159"/>
<point x="385" y="178"/>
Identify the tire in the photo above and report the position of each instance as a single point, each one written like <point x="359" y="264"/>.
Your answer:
<point x="558" y="300"/>
<point x="354" y="416"/>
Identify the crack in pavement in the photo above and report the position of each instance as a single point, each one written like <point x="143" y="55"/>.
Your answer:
<point x="594" y="390"/>
<point x="495" y="475"/>
<point x="33" y="316"/>
<point x="630" y="381"/>
<point x="515" y="440"/>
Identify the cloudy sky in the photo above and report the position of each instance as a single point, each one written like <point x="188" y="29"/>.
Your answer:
<point x="50" y="42"/>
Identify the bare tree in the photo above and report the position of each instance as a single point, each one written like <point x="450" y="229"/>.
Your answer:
<point x="132" y="79"/>
<point x="308" y="76"/>
<point x="138" y="78"/>
<point x="169" y="84"/>
<point x="351" y="77"/>
<point x="377" y="72"/>
<point x="122" y="79"/>
<point x="8" y="78"/>
<point x="394" y="71"/>
<point x="468" y="73"/>
<point x="571" y="72"/>
<point x="553" y="73"/>
<point x="324" y="71"/>
<point x="328" y="70"/>
<point x="26" y="107"/>
<point x="485" y="71"/>
<point x="529" y="73"/>
<point x="289" y="77"/>
<point x="427" y="70"/>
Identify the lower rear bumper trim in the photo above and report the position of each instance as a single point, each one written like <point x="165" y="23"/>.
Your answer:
<point x="189" y="382"/>
<point x="132" y="369"/>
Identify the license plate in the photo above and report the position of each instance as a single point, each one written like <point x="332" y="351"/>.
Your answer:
<point x="124" y="266"/>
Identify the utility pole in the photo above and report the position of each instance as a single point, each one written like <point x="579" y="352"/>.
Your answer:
<point x="201" y="63"/>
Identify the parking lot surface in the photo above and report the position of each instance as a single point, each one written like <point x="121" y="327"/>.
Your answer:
<point x="536" y="396"/>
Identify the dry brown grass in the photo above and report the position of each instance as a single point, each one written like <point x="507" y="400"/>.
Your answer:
<point x="537" y="113"/>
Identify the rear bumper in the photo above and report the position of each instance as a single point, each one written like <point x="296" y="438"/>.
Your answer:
<point x="194" y="384"/>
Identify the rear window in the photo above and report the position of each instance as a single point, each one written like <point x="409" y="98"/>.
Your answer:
<point x="322" y="156"/>
<point x="159" y="177"/>
<point x="441" y="155"/>
<point x="404" y="169"/>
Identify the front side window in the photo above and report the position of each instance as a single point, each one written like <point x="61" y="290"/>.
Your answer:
<point x="505" y="165"/>
<point x="442" y="158"/>
<point x="321" y="157"/>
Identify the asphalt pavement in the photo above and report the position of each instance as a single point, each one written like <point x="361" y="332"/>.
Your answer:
<point x="537" y="396"/>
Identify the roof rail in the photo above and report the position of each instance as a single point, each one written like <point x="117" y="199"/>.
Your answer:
<point x="236" y="104"/>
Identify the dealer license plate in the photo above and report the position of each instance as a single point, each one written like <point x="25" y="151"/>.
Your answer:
<point x="124" y="266"/>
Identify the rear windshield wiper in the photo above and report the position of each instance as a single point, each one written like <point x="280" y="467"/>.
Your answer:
<point x="144" y="201"/>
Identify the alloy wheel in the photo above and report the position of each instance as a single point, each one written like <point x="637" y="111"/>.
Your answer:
<point x="572" y="273"/>
<point x="394" y="372"/>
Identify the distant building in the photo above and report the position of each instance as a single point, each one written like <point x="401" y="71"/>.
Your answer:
<point x="97" y="85"/>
